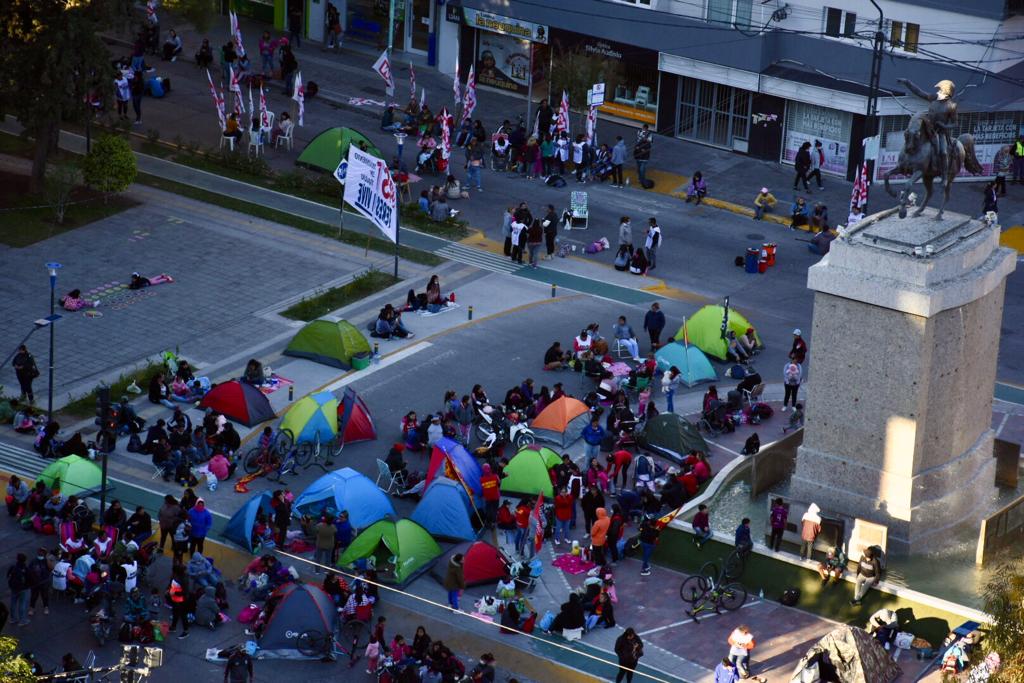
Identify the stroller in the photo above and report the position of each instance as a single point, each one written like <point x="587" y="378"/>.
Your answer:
<point x="427" y="161"/>
<point x="527" y="573"/>
<point x="715" y="420"/>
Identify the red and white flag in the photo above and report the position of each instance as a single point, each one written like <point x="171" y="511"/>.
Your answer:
<point x="423" y="98"/>
<point x="299" y="95"/>
<point x="446" y="134"/>
<point x="591" y="125"/>
<point x="236" y="34"/>
<point x="218" y="100"/>
<point x="859" y="197"/>
<point x="383" y="67"/>
<point x="236" y="90"/>
<point x="412" y="82"/>
<point x="252" y="109"/>
<point x="456" y="86"/>
<point x="151" y="12"/>
<point x="470" y="103"/>
<point x="264" y="119"/>
<point x="562" y="123"/>
<point x="537" y="520"/>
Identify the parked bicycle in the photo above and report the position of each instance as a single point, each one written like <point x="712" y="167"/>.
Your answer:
<point x="348" y="640"/>
<point x="711" y="591"/>
<point x="322" y="455"/>
<point x="259" y="458"/>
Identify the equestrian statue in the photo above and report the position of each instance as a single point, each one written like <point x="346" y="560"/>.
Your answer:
<point x="929" y="150"/>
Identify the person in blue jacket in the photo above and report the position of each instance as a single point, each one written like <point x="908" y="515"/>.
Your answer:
<point x="593" y="434"/>
<point x="201" y="520"/>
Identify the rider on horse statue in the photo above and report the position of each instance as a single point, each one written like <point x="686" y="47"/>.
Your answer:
<point x="939" y="118"/>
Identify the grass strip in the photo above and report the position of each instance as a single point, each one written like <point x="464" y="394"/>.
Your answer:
<point x="85" y="406"/>
<point x="307" y="224"/>
<point x="363" y="285"/>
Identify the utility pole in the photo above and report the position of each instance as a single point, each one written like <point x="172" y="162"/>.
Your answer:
<point x="391" y="26"/>
<point x="871" y="124"/>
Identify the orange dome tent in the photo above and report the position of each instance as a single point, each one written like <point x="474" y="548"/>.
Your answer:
<point x="562" y="421"/>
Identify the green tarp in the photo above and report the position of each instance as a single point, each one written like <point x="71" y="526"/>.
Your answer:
<point x="670" y="435"/>
<point x="704" y="330"/>
<point x="527" y="472"/>
<point x="325" y="151"/>
<point x="330" y="343"/>
<point x="72" y="474"/>
<point x="405" y="543"/>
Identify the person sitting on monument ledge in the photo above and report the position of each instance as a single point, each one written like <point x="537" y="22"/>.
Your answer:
<point x="798" y="214"/>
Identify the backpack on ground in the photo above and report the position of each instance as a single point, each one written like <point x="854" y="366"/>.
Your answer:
<point x="790" y="597"/>
<point x="555" y="181"/>
<point x="134" y="444"/>
<point x="648" y="184"/>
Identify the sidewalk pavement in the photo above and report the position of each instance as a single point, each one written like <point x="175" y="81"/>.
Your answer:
<point x="733" y="179"/>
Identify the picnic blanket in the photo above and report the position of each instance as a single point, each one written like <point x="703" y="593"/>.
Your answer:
<point x="572" y="564"/>
<point x="275" y="382"/>
<point x="452" y="305"/>
<point x="619" y="369"/>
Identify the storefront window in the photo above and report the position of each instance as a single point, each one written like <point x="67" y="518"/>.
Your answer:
<point x="809" y="122"/>
<point x="630" y="75"/>
<point x="712" y="113"/>
<point x="367" y="22"/>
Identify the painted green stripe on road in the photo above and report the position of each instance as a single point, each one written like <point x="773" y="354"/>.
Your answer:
<point x="586" y="285"/>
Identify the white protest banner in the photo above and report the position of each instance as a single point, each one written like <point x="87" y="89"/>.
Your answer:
<point x="383" y="67"/>
<point x="370" y="189"/>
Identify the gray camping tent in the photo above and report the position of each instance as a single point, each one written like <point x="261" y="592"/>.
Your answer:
<point x="849" y="655"/>
<point x="300" y="607"/>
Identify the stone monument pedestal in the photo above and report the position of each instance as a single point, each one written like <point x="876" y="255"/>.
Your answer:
<point x="907" y="317"/>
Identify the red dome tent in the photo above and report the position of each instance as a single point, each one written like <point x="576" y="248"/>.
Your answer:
<point x="240" y="402"/>
<point x="482" y="563"/>
<point x="354" y="420"/>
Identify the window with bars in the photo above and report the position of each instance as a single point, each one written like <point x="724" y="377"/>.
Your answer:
<point x="712" y="112"/>
<point x="840" y="23"/>
<point x="904" y="35"/>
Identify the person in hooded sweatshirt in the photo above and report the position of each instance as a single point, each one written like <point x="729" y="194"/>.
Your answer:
<point x="207" y="609"/>
<point x="599" y="536"/>
<point x="201" y="520"/>
<point x="454" y="580"/>
<point x="810" y="527"/>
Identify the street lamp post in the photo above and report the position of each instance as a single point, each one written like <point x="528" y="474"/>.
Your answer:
<point x="53" y="267"/>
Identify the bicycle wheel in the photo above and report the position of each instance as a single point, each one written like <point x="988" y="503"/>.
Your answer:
<point x="735" y="564"/>
<point x="304" y="452"/>
<point x="354" y="634"/>
<point x="709" y="570"/>
<point x="732" y="596"/>
<point x="693" y="589"/>
<point x="311" y="644"/>
<point x="252" y="462"/>
<point x="284" y="442"/>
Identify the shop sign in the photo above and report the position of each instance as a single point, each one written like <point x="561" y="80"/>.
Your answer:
<point x="495" y="23"/>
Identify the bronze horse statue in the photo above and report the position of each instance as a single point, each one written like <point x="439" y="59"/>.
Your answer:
<point x="920" y="160"/>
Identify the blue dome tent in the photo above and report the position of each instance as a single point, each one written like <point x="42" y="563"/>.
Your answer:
<point x="445" y="511"/>
<point x="345" y="489"/>
<point x="239" y="527"/>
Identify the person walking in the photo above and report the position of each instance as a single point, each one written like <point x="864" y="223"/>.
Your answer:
<point x="625" y="235"/>
<point x="669" y="383"/>
<point x="653" y="241"/>
<point x="642" y="153"/>
<point x="629" y="649"/>
<point x="618" y="160"/>
<point x="791" y="376"/>
<point x="817" y="161"/>
<point x="777" y="520"/>
<point x="26" y="370"/>
<point x="654" y="323"/>
<point x="455" y="580"/>
<point x="802" y="164"/>
<point x="649" y="533"/>
<point x="19" y="584"/>
<point x="1018" y="159"/>
<point x="474" y="165"/>
<point x="550" y="225"/>
<point x="534" y="240"/>
<point x="810" y="527"/>
<point x="1001" y="167"/>
<point x="798" y="351"/>
<point x="741" y="643"/>
<point x="239" y="667"/>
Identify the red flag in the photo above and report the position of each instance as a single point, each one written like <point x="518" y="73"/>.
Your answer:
<point x="537" y="517"/>
<point x="665" y="520"/>
<point x="562" y="122"/>
<point x="218" y="100"/>
<point x="446" y="135"/>
<point x="859" y="197"/>
<point x="470" y="103"/>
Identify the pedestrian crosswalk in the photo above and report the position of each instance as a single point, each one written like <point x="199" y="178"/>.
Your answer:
<point x="24" y="463"/>
<point x="484" y="260"/>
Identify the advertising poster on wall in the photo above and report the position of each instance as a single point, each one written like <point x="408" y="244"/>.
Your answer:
<point x="807" y="123"/>
<point x="503" y="62"/>
<point x="989" y="137"/>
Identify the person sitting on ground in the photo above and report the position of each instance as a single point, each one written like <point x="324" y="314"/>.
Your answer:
<point x="819" y="217"/>
<point x="221" y="467"/>
<point x="172" y="46"/>
<point x="764" y="202"/>
<point x="625" y="335"/>
<point x="697" y="189"/>
<point x="638" y="264"/>
<point x="424" y="202"/>
<point x="440" y="211"/>
<point x="435" y="300"/>
<point x="833" y="566"/>
<point x="387" y="121"/>
<point x="231" y="128"/>
<point x="603" y="163"/>
<point x="796" y="420"/>
<point x="748" y="341"/>
<point x="253" y="373"/>
<point x="453" y="189"/>
<point x="282" y="127"/>
<point x="73" y="301"/>
<point x="798" y="214"/>
<point x="204" y="57"/>
<point x="735" y="350"/>
<point x="554" y="357"/>
<point x="389" y="324"/>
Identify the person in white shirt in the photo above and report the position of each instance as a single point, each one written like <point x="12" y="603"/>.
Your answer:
<point x="131" y="578"/>
<point x="123" y="92"/>
<point x="60" y="574"/>
<point x="577" y="158"/>
<point x="652" y="243"/>
<point x="517" y="228"/>
<point x="562" y="146"/>
<point x="855" y="217"/>
<point x="582" y="343"/>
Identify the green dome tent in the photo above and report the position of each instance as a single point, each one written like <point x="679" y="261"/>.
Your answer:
<point x="72" y="474"/>
<point x="527" y="473"/>
<point x="704" y="330"/>
<point x="325" y="151"/>
<point x="411" y="546"/>
<point x="671" y="436"/>
<point x="330" y="343"/>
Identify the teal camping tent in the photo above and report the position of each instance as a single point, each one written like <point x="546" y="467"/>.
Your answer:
<point x="694" y="366"/>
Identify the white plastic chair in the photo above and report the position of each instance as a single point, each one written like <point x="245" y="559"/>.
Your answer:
<point x="227" y="140"/>
<point x="255" y="142"/>
<point x="269" y="126"/>
<point x="621" y="350"/>
<point x="287" y="139"/>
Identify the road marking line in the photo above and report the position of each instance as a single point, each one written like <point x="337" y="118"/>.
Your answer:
<point x="686" y="621"/>
<point x="388" y="360"/>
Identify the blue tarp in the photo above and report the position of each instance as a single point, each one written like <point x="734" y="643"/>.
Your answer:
<point x="445" y="511"/>
<point x="345" y="489"/>
<point x="239" y="528"/>
<point x="694" y="366"/>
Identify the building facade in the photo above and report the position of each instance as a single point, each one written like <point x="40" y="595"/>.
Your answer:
<point x="757" y="77"/>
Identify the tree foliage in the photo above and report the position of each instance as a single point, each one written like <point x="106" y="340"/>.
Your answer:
<point x="1004" y="600"/>
<point x="110" y="166"/>
<point x="51" y="56"/>
<point x="13" y="667"/>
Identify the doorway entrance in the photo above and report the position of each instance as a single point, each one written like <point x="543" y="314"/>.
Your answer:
<point x="419" y="25"/>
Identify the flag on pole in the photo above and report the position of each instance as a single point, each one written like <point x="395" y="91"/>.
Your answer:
<point x="665" y="520"/>
<point x="236" y="34"/>
<point x="562" y="123"/>
<point x="236" y="90"/>
<point x="456" y="86"/>
<point x="423" y="98"/>
<point x="218" y="100"/>
<point x="300" y="95"/>
<point x="383" y="67"/>
<point x="859" y="198"/>
<point x="252" y="109"/>
<point x="264" y="119"/>
<point x="470" y="102"/>
<point x="412" y="82"/>
<point x="591" y="125"/>
<point x="537" y="519"/>
<point x="446" y="134"/>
